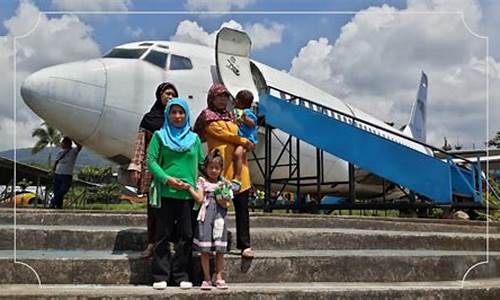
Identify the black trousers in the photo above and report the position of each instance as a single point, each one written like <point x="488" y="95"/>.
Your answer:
<point x="174" y="226"/>
<point x="62" y="183"/>
<point x="240" y="202"/>
<point x="151" y="224"/>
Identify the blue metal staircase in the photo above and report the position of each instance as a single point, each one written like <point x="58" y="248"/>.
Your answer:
<point x="347" y="137"/>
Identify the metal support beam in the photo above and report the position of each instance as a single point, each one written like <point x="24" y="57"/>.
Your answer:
<point x="318" y="173"/>
<point x="37" y="193"/>
<point x="267" y="170"/>
<point x="302" y="200"/>
<point x="352" y="184"/>
<point x="13" y="192"/>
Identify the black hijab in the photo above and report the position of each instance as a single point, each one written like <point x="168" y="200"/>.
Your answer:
<point x="153" y="120"/>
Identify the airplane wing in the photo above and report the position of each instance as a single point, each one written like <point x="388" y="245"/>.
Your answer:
<point x="493" y="158"/>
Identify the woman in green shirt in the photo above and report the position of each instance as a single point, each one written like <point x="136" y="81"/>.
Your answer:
<point x="174" y="156"/>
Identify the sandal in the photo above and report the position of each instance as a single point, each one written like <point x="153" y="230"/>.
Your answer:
<point x="149" y="251"/>
<point x="221" y="284"/>
<point x="248" y="253"/>
<point x="206" y="286"/>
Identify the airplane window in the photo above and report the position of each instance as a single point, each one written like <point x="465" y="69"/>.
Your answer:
<point x="146" y="44"/>
<point x="157" y="58"/>
<point x="125" y="53"/>
<point x="180" y="63"/>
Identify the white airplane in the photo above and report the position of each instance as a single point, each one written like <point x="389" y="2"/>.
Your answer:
<point x="100" y="102"/>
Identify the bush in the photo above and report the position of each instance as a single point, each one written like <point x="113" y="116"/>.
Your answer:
<point x="108" y="193"/>
<point x="96" y="174"/>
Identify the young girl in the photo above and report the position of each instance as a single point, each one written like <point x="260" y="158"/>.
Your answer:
<point x="174" y="156"/>
<point x="214" y="195"/>
<point x="217" y="126"/>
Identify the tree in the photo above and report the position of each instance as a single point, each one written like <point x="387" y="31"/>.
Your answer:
<point x="495" y="141"/>
<point x="47" y="136"/>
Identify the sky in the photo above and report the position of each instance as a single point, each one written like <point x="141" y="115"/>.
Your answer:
<point x="371" y="57"/>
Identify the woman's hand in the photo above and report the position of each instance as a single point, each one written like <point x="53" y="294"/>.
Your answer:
<point x="249" y="146"/>
<point x="177" y="183"/>
<point x="134" y="176"/>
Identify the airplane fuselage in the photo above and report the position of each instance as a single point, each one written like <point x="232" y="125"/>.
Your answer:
<point x="100" y="102"/>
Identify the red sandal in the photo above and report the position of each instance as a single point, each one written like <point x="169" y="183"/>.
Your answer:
<point x="221" y="284"/>
<point x="206" y="285"/>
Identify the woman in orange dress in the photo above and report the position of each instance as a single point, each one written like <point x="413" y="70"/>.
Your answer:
<point x="217" y="126"/>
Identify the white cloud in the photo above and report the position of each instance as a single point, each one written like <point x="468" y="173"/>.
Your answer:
<point x="23" y="133"/>
<point x="376" y="61"/>
<point x="262" y="35"/>
<point x="134" y="32"/>
<point x="54" y="41"/>
<point x="217" y="5"/>
<point x="92" y="5"/>
<point x="190" y="32"/>
<point x="314" y="63"/>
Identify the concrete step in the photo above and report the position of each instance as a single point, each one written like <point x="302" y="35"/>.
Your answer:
<point x="474" y="289"/>
<point x="95" y="218"/>
<point x="104" y="267"/>
<point x="66" y="237"/>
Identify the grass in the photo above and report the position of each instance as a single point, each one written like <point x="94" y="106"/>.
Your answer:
<point x="124" y="206"/>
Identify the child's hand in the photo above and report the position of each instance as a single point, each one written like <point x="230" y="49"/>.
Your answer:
<point x="223" y="202"/>
<point x="244" y="117"/>
<point x="195" y="195"/>
<point x="247" y="121"/>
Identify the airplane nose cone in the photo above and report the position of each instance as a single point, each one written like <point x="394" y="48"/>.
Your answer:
<point x="70" y="96"/>
<point x="34" y="89"/>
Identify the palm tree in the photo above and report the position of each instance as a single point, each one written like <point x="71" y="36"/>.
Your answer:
<point x="47" y="136"/>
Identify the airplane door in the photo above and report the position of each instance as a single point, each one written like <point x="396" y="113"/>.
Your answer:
<point x="235" y="70"/>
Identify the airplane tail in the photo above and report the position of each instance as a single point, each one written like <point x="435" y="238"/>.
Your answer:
<point x="416" y="127"/>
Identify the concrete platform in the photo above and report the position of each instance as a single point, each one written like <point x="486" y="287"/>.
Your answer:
<point x="95" y="255"/>
<point x="67" y="237"/>
<point x="104" y="267"/>
<point x="476" y="289"/>
<point x="138" y="219"/>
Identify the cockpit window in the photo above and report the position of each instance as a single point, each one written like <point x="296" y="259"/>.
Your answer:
<point x="157" y="58"/>
<point x="146" y="44"/>
<point x="125" y="53"/>
<point x="180" y="63"/>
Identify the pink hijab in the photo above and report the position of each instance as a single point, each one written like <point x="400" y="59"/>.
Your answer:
<point x="211" y="113"/>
